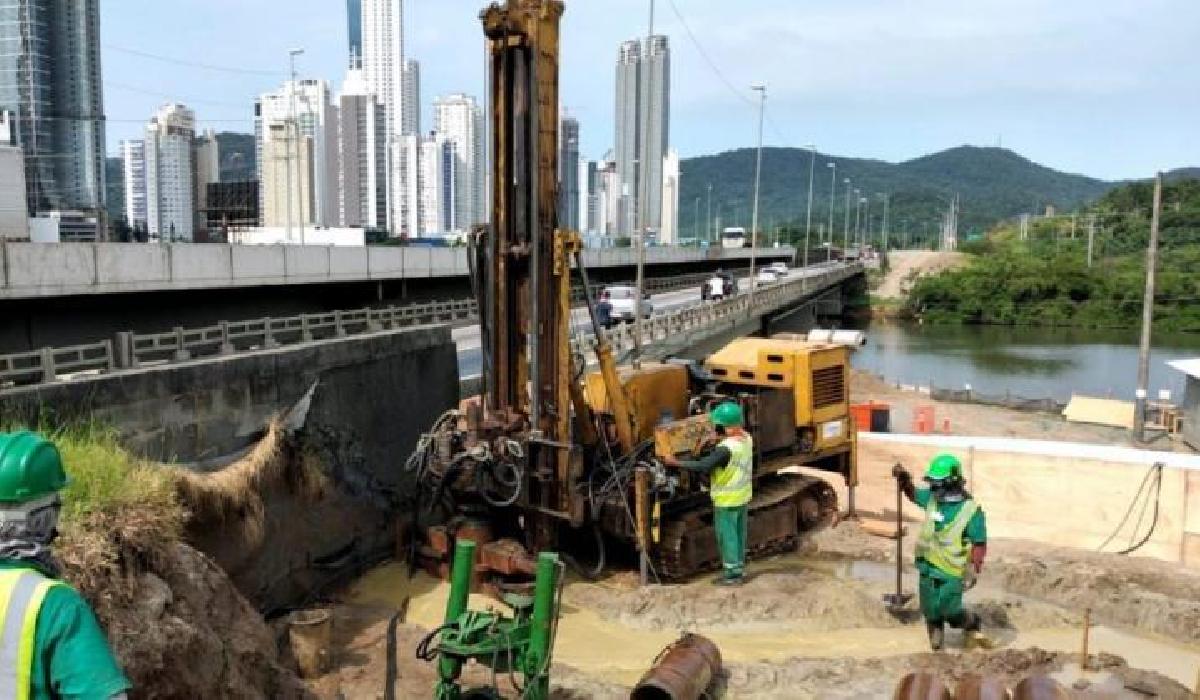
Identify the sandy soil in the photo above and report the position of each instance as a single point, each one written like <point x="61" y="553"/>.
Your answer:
<point x="812" y="624"/>
<point x="906" y="265"/>
<point x="971" y="419"/>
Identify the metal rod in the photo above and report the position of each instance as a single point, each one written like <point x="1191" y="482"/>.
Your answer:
<point x="762" y="108"/>
<point x="533" y="162"/>
<point x="1139" y="413"/>
<point x="1087" y="628"/>
<point x="641" y="499"/>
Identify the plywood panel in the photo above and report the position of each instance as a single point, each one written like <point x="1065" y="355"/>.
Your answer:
<point x="1192" y="522"/>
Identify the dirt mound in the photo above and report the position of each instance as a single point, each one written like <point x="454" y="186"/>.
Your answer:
<point x="847" y="678"/>
<point x="905" y="267"/>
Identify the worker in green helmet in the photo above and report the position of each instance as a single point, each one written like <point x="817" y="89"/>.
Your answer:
<point x="51" y="645"/>
<point x="950" y="548"/>
<point x="730" y="466"/>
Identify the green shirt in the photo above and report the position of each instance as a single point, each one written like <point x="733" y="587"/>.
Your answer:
<point x="71" y="657"/>
<point x="976" y="532"/>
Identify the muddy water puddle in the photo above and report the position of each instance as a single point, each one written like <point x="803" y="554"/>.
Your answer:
<point x="597" y="643"/>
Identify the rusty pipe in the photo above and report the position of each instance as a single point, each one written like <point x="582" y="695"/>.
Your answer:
<point x="921" y="686"/>
<point x="976" y="687"/>
<point x="683" y="671"/>
<point x="1039" y="688"/>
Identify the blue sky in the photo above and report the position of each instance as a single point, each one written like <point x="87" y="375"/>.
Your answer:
<point x="1108" y="88"/>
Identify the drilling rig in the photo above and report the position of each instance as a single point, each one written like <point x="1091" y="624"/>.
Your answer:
<point x="563" y="448"/>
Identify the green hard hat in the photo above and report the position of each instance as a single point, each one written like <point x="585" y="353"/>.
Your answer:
<point x="30" y="467"/>
<point x="728" y="414"/>
<point x="944" y="466"/>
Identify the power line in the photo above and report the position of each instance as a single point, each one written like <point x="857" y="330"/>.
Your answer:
<point x="168" y="96"/>
<point x="191" y="64"/>
<point x="707" y="59"/>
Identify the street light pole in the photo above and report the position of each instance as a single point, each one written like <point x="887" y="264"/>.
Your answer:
<point x="846" y="226"/>
<point x="1143" y="375"/>
<point x="832" y="190"/>
<point x="708" y="229"/>
<point x="858" y="200"/>
<point x="293" y="146"/>
<point x="762" y="108"/>
<point x="812" y="172"/>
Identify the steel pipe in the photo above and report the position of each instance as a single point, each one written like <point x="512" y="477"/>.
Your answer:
<point x="683" y="671"/>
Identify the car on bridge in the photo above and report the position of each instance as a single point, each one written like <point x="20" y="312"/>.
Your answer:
<point x="623" y="299"/>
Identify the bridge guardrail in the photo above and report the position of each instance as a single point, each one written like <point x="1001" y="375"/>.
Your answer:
<point x="130" y="350"/>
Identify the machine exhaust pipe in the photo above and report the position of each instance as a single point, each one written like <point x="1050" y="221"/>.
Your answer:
<point x="683" y="671"/>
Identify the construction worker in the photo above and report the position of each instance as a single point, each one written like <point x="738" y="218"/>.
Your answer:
<point x="51" y="646"/>
<point x="730" y="466"/>
<point x="604" y="310"/>
<point x="950" y="549"/>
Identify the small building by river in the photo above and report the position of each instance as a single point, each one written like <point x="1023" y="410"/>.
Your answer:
<point x="1191" y="401"/>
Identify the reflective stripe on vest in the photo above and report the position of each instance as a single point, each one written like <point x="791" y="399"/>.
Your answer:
<point x="946" y="549"/>
<point x="21" y="594"/>
<point x="731" y="485"/>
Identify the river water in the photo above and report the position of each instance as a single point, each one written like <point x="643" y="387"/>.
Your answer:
<point x="1032" y="363"/>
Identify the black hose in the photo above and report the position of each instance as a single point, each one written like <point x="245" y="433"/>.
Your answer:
<point x="392" y="672"/>
<point x="1154" y="521"/>
<point x="425" y="650"/>
<point x="495" y="472"/>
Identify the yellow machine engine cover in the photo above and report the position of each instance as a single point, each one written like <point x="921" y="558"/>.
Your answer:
<point x="816" y="374"/>
<point x="654" y="391"/>
<point x="683" y="438"/>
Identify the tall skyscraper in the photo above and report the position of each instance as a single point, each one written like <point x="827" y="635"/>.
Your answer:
<point x="410" y="119"/>
<point x="206" y="169"/>
<point x="568" y="174"/>
<point x="354" y="32"/>
<point x="438" y="182"/>
<point x="289" y="196"/>
<point x="627" y="144"/>
<point x="669" y="233"/>
<point x="642" y="130"/>
<point x="362" y="156"/>
<point x="133" y="153"/>
<point x="590" y="206"/>
<point x="315" y="122"/>
<point x="50" y="79"/>
<point x="170" y="192"/>
<point x="384" y="71"/>
<point x="459" y="120"/>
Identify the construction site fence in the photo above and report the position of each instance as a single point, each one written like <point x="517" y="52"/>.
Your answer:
<point x="130" y="350"/>
<point x="970" y="396"/>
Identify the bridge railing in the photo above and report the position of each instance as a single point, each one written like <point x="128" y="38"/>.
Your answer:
<point x="131" y="350"/>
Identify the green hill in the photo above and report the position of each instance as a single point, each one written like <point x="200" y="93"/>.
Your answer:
<point x="994" y="184"/>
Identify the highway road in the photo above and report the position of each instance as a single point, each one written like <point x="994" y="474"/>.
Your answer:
<point x="470" y="356"/>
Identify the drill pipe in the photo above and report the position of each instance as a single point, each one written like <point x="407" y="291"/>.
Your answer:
<point x="921" y="686"/>
<point x="683" y="671"/>
<point x="976" y="687"/>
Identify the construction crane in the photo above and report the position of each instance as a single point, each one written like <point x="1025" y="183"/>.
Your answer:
<point x="563" y="454"/>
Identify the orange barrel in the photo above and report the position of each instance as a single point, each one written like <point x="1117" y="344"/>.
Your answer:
<point x="1039" y="688"/>
<point x="921" y="686"/>
<point x="683" y="671"/>
<point x="923" y="419"/>
<point x="861" y="413"/>
<point x="976" y="687"/>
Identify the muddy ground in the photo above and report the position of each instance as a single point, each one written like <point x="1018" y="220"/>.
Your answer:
<point x="812" y="625"/>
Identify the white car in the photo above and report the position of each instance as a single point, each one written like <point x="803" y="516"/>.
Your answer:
<point x="767" y="275"/>
<point x="622" y="300"/>
<point x="780" y="268"/>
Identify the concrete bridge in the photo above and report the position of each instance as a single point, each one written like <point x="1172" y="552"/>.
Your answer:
<point x="374" y="379"/>
<point x="66" y="294"/>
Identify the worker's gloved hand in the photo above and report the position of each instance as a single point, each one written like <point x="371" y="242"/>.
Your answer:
<point x="901" y="474"/>
<point x="969" y="579"/>
<point x="978" y="554"/>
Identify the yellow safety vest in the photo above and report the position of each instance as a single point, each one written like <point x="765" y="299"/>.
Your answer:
<point x="732" y="485"/>
<point x="946" y="549"/>
<point x="21" y="594"/>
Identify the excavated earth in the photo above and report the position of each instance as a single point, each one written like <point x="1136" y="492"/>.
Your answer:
<point x="812" y="625"/>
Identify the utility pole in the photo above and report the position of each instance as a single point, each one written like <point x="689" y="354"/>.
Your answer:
<point x="846" y="225"/>
<point x="832" y="190"/>
<point x="1139" y="412"/>
<point x="762" y="108"/>
<point x="858" y="201"/>
<point x="812" y="172"/>
<point x="884" y="226"/>
<point x="864" y="235"/>
<point x="708" y="233"/>
<point x="293" y="146"/>
<point x="1091" y="238"/>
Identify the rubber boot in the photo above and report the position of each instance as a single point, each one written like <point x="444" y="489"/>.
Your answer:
<point x="937" y="634"/>
<point x="973" y="636"/>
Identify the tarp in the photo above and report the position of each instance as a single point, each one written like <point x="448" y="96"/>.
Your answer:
<point x="1086" y="409"/>
<point x="1189" y="367"/>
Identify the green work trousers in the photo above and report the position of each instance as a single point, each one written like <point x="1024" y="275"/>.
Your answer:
<point x="941" y="599"/>
<point x="731" y="539"/>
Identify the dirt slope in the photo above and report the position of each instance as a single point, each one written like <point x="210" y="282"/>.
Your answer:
<point x="907" y="265"/>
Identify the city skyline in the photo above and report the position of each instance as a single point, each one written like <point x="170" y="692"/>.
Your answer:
<point x="934" y="57"/>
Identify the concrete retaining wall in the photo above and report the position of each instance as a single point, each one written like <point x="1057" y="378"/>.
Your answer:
<point x="364" y="420"/>
<point x="38" y="270"/>
<point x="1061" y="494"/>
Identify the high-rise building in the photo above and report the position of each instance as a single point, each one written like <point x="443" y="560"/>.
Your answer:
<point x="459" y="121"/>
<point x="568" y="173"/>
<point x="14" y="218"/>
<point x="609" y="198"/>
<point x="170" y="192"/>
<point x="669" y="233"/>
<point x="206" y="170"/>
<point x="287" y="185"/>
<point x="589" y="212"/>
<point x="362" y="156"/>
<point x="354" y="32"/>
<point x="437" y="184"/>
<point x="384" y="71"/>
<point x="642" y="121"/>
<point x="410" y="119"/>
<point x="133" y="155"/>
<point x="626" y="144"/>
<point x="410" y="159"/>
<point x="312" y="105"/>
<point x="50" y="79"/>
